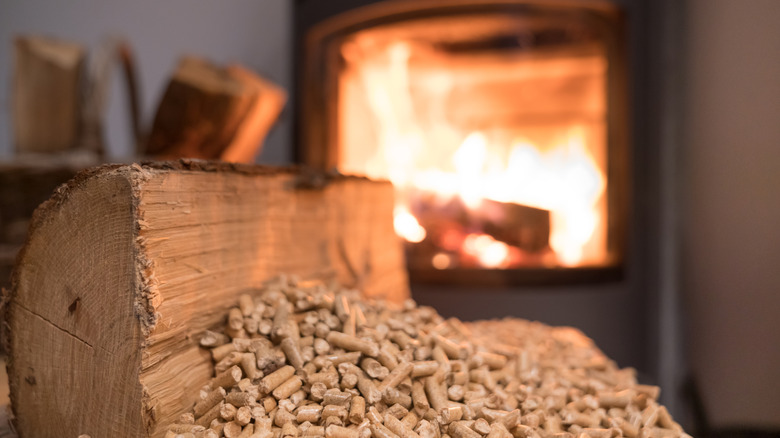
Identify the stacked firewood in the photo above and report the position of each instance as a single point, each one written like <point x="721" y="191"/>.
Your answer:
<point x="303" y="359"/>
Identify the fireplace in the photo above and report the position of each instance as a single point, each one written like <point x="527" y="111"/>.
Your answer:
<point x="502" y="125"/>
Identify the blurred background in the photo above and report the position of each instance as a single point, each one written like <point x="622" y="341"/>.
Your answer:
<point x="255" y="34"/>
<point x="692" y="300"/>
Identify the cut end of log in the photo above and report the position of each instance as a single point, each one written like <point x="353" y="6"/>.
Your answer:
<point x="71" y="288"/>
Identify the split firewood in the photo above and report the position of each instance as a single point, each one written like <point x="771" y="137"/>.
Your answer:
<point x="494" y="379"/>
<point x="46" y="94"/>
<point x="267" y="105"/>
<point x="212" y="112"/>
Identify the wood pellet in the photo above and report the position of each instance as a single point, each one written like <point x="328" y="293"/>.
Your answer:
<point x="304" y="359"/>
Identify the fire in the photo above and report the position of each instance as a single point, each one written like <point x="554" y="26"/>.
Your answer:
<point x="564" y="180"/>
<point x="441" y="261"/>
<point x="406" y="225"/>
<point x="469" y="161"/>
<point x="404" y="111"/>
<point x="489" y="252"/>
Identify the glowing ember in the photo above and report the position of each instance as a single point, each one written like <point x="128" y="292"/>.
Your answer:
<point x="490" y="252"/>
<point x="406" y="226"/>
<point x="441" y="261"/>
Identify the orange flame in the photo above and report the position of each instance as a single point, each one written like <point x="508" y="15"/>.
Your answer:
<point x="489" y="252"/>
<point x="557" y="173"/>
<point x="406" y="225"/>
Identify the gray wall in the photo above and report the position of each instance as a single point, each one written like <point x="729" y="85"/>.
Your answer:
<point x="254" y="33"/>
<point x="731" y="227"/>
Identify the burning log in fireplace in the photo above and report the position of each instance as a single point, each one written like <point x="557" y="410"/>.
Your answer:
<point x="491" y="234"/>
<point x="527" y="228"/>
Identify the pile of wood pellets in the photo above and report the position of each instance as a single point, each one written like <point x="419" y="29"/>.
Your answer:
<point x="309" y="360"/>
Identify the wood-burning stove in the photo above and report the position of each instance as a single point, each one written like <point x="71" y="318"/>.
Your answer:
<point x="502" y="124"/>
<point x="633" y="317"/>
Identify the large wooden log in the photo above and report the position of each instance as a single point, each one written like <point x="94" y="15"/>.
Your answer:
<point x="125" y="265"/>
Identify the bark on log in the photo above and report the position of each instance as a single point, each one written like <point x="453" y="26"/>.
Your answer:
<point x="125" y="265"/>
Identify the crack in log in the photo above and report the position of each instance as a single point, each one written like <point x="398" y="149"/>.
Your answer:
<point x="56" y="326"/>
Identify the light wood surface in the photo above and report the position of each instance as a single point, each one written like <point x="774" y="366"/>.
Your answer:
<point x="126" y="265"/>
<point x="46" y="93"/>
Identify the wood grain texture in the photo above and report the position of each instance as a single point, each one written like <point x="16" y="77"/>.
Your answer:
<point x="212" y="112"/>
<point x="125" y="266"/>
<point x="73" y="337"/>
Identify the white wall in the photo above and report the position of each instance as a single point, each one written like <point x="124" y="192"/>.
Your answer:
<point x="731" y="233"/>
<point x="254" y="33"/>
